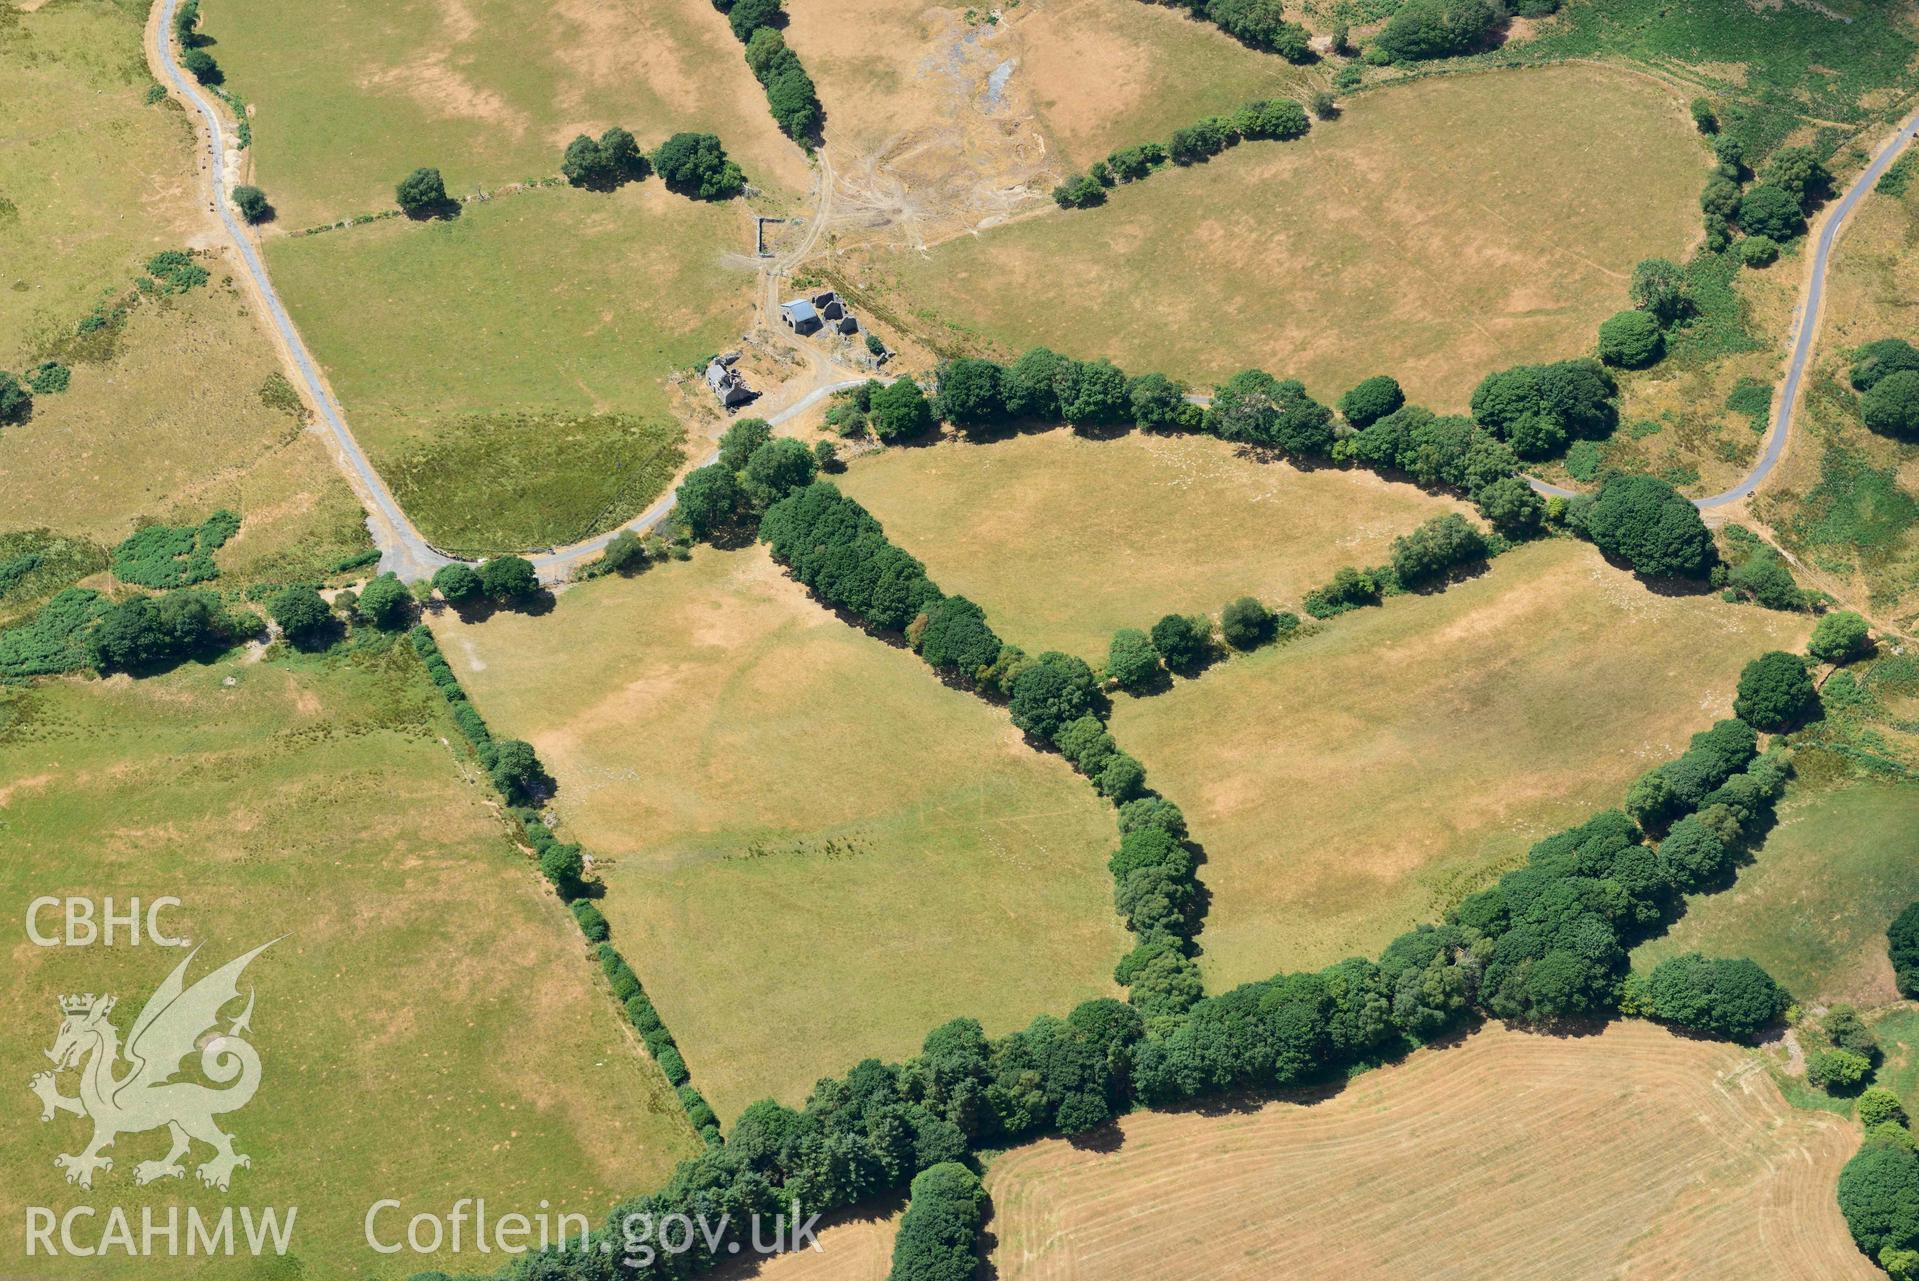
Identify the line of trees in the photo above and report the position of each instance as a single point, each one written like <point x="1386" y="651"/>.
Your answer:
<point x="522" y="782"/>
<point x="1546" y="945"/>
<point x="790" y="93"/>
<point x="1278" y="119"/>
<point x="603" y="163"/>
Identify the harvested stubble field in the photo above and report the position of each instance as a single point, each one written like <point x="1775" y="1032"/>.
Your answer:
<point x="1630" y="1153"/>
<point x="505" y="369"/>
<point x="1814" y="904"/>
<point x="1359" y="780"/>
<point x="352" y="97"/>
<point x="163" y="416"/>
<point x="813" y="851"/>
<point x="1028" y="528"/>
<point x="1436" y="231"/>
<point x="429" y="1025"/>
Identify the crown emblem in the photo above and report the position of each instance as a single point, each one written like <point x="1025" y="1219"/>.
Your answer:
<point x="81" y="1004"/>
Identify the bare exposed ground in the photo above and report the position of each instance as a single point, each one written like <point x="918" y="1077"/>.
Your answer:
<point x="1630" y="1154"/>
<point x="931" y="124"/>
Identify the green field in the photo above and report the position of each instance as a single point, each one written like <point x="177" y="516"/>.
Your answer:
<point x="430" y="1026"/>
<point x="163" y="417"/>
<point x="556" y="314"/>
<point x="1028" y="528"/>
<point x="351" y="98"/>
<point x="1358" y="781"/>
<point x="1416" y="235"/>
<point x="814" y="852"/>
<point x="1813" y="905"/>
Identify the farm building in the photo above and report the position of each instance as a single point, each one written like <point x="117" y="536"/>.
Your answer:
<point x="822" y="310"/>
<point x="728" y="385"/>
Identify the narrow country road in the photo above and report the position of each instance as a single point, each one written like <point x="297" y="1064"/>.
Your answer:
<point x="1805" y="338"/>
<point x="402" y="549"/>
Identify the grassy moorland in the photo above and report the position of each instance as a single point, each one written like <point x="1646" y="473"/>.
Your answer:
<point x="1702" y="1168"/>
<point x="504" y="369"/>
<point x="83" y="205"/>
<point x="1407" y="237"/>
<point x="351" y="99"/>
<point x="815" y="851"/>
<point x="429" y="1025"/>
<point x="1027" y="527"/>
<point x="1360" y="780"/>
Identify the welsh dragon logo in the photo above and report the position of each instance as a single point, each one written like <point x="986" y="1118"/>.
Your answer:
<point x="145" y="1096"/>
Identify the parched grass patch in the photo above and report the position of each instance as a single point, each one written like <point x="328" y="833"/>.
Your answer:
<point x="555" y="304"/>
<point x="1814" y="904"/>
<point x="1437" y="231"/>
<point x="351" y="100"/>
<point x="429" y="1025"/>
<point x="1489" y="1158"/>
<point x="1360" y="780"/>
<point x="1064" y="539"/>
<point x="813" y="851"/>
<point x="515" y="480"/>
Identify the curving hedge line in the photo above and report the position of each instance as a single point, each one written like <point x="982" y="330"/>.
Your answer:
<point x="1546" y="945"/>
<point x="518" y="776"/>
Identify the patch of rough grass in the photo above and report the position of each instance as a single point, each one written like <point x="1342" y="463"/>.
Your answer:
<point x="1360" y="780"/>
<point x="513" y="481"/>
<point x="813" y="850"/>
<point x="428" y="1023"/>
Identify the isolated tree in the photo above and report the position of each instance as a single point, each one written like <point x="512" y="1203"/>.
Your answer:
<point x="1648" y="524"/>
<point x="1840" y="637"/>
<point x="1775" y="692"/>
<point x="509" y="578"/>
<point x="1902" y="945"/>
<point x="1275" y="118"/>
<point x="739" y="441"/>
<point x="1435" y="29"/>
<point x="1131" y="660"/>
<point x="775" y="470"/>
<point x="421" y="193"/>
<point x="200" y="64"/>
<point x="1182" y="640"/>
<point x="748" y="16"/>
<point x="1759" y="251"/>
<point x="1371" y="400"/>
<point x="457" y="583"/>
<point x="1892" y="403"/>
<point x="1771" y="211"/>
<point x="1879" y="1195"/>
<point x="586" y="164"/>
<point x="901" y="411"/>
<point x="708" y="500"/>
<point x="16" y="403"/>
<point x="1797" y="170"/>
<point x="969" y="392"/>
<point x="1875" y="360"/>
<point x="623" y="154"/>
<point x="386" y="603"/>
<point x="1732" y="998"/>
<point x="1659" y="288"/>
<point x="937" y="1234"/>
<point x="1056" y="689"/>
<point x="1325" y="106"/>
<point x="252" y="203"/>
<point x="301" y="613"/>
<point x="695" y="164"/>
<point x="1157" y="403"/>
<point x="1246" y="624"/>
<point x="1631" y="340"/>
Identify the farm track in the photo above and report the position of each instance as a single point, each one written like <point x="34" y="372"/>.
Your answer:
<point x="405" y="551"/>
